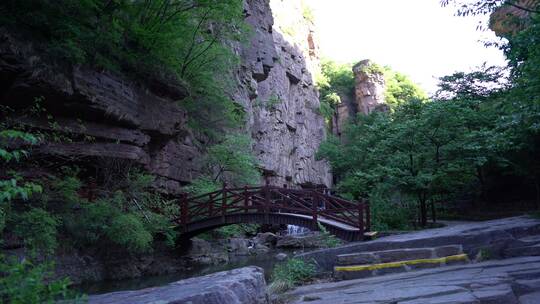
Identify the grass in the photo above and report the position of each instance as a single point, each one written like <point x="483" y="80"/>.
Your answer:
<point x="290" y="273"/>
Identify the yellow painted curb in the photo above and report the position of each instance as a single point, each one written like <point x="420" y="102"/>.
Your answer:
<point x="459" y="257"/>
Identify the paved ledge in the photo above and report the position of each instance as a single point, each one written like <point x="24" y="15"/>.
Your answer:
<point x="495" y="236"/>
<point x="509" y="281"/>
<point x="453" y="258"/>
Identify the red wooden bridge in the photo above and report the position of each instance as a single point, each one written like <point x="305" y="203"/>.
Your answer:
<point x="347" y="220"/>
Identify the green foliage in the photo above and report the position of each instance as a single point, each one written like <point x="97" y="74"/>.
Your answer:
<point x="399" y="89"/>
<point x="25" y="283"/>
<point x="201" y="186"/>
<point x="232" y="160"/>
<point x="67" y="186"/>
<point x="127" y="230"/>
<point x="38" y="229"/>
<point x="288" y="274"/>
<point x="336" y="80"/>
<point x="328" y="239"/>
<point x="373" y="68"/>
<point x="89" y="226"/>
<point x="388" y="214"/>
<point x="181" y="41"/>
<point x="237" y="230"/>
<point x="103" y="222"/>
<point x="421" y="152"/>
<point x="169" y="35"/>
<point x="481" y="125"/>
<point x="307" y="12"/>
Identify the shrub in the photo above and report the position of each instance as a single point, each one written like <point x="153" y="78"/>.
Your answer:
<point x="127" y="230"/>
<point x="103" y="221"/>
<point x="201" y="186"/>
<point x="26" y="283"/>
<point x="38" y="229"/>
<point x="89" y="226"/>
<point x="159" y="224"/>
<point x="290" y="273"/>
<point x="67" y="187"/>
<point x="329" y="240"/>
<point x="387" y="215"/>
<point x="238" y="230"/>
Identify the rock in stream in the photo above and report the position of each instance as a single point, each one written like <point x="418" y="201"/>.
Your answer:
<point x="238" y="286"/>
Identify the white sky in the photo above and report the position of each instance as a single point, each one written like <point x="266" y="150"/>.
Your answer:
<point x="415" y="37"/>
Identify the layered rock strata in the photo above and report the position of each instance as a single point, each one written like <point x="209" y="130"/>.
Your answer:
<point x="143" y="122"/>
<point x="276" y="87"/>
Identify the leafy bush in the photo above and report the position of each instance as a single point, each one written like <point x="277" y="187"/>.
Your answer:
<point x="329" y="240"/>
<point x="66" y="187"/>
<point x="238" y="230"/>
<point x="89" y="225"/>
<point x="22" y="282"/>
<point x="127" y="230"/>
<point x="233" y="160"/>
<point x="290" y="273"/>
<point x="388" y="215"/>
<point x="201" y="186"/>
<point x="103" y="222"/>
<point x="38" y="229"/>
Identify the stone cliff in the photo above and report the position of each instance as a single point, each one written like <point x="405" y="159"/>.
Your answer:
<point x="367" y="95"/>
<point x="142" y="122"/>
<point x="276" y="87"/>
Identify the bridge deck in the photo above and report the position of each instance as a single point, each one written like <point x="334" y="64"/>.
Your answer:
<point x="348" y="220"/>
<point x="326" y="221"/>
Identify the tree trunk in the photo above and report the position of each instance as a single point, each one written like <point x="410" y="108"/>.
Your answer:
<point x="423" y="210"/>
<point x="433" y="213"/>
<point x="480" y="176"/>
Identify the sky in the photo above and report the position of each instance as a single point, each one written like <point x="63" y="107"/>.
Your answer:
<point x="416" y="37"/>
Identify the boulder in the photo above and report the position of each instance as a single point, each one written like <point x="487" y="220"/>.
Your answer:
<point x="239" y="286"/>
<point x="281" y="256"/>
<point x="203" y="252"/>
<point x="238" y="246"/>
<point x="266" y="238"/>
<point x="311" y="240"/>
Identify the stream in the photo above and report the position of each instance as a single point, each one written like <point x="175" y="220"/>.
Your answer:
<point x="266" y="261"/>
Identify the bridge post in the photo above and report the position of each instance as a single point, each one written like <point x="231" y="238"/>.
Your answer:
<point x="184" y="211"/>
<point x="246" y="199"/>
<point x="223" y="202"/>
<point x="314" y="211"/>
<point x="361" y="219"/>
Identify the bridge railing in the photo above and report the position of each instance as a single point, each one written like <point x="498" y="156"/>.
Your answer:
<point x="271" y="199"/>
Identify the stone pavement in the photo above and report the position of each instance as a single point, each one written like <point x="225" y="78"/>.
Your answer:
<point x="496" y="236"/>
<point x="509" y="281"/>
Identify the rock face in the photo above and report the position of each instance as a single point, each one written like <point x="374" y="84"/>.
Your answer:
<point x="143" y="122"/>
<point x="127" y="121"/>
<point x="369" y="87"/>
<point x="508" y="20"/>
<point x="238" y="286"/>
<point x="276" y="87"/>
<point x="368" y="95"/>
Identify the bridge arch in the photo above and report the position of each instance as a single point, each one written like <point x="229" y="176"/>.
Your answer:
<point x="273" y="205"/>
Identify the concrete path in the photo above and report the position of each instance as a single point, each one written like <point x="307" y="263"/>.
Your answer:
<point x="495" y="236"/>
<point x="509" y="281"/>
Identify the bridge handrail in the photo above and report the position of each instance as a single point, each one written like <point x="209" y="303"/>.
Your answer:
<point x="271" y="199"/>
